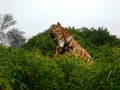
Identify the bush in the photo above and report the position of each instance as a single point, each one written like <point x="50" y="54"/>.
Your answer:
<point x="43" y="42"/>
<point x="23" y="70"/>
<point x="34" y="68"/>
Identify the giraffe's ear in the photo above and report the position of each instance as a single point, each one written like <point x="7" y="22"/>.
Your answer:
<point x="58" y="23"/>
<point x="69" y="39"/>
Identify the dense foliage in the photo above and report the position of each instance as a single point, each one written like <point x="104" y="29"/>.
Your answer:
<point x="43" y="42"/>
<point x="33" y="67"/>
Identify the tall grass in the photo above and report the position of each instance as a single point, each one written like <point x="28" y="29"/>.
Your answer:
<point x="29" y="70"/>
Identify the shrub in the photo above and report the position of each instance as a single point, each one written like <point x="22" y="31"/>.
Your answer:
<point x="34" y="68"/>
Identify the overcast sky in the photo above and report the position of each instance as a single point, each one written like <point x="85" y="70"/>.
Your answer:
<point x="34" y="16"/>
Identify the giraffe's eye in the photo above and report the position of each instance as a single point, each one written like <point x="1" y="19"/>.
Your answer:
<point x="52" y="35"/>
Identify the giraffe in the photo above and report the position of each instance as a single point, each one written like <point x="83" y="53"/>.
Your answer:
<point x="66" y="44"/>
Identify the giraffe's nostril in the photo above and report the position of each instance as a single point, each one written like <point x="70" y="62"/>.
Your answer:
<point x="71" y="47"/>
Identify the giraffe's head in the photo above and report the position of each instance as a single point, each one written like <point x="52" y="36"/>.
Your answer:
<point x="55" y="32"/>
<point x="59" y="35"/>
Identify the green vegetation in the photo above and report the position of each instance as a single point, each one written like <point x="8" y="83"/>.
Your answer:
<point x="33" y="67"/>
